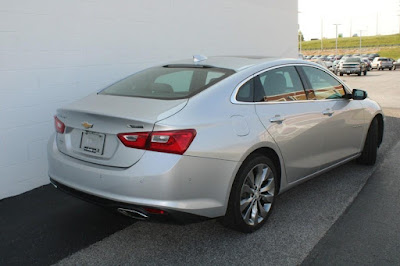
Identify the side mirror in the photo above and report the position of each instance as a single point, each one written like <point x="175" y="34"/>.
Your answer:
<point x="359" y="94"/>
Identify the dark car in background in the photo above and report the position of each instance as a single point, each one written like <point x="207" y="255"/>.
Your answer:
<point x="366" y="60"/>
<point x="396" y="64"/>
<point x="352" y="65"/>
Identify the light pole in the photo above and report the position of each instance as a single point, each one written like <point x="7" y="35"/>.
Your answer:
<point x="322" y="32"/>
<point x="336" y="35"/>
<point x="360" y="39"/>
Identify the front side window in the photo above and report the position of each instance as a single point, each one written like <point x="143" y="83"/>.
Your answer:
<point x="322" y="85"/>
<point x="168" y="82"/>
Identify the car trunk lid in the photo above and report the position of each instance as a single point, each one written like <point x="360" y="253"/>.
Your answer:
<point x="92" y="125"/>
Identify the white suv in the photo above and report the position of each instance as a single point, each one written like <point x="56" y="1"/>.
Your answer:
<point x="382" y="63"/>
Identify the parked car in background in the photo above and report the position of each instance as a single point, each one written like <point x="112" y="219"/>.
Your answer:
<point x="396" y="64"/>
<point x="353" y="65"/>
<point x="372" y="56"/>
<point x="381" y="63"/>
<point x="335" y="66"/>
<point x="210" y="137"/>
<point x="338" y="57"/>
<point x="320" y="62"/>
<point x="366" y="60"/>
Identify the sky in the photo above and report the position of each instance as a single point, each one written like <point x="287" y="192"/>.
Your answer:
<point x="372" y="17"/>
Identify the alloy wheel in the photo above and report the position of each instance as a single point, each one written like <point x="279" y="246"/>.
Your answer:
<point x="257" y="194"/>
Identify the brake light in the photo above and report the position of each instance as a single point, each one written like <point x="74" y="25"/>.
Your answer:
<point x="176" y="141"/>
<point x="60" y="126"/>
<point x="134" y="140"/>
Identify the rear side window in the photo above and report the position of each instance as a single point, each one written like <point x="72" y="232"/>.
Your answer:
<point x="280" y="84"/>
<point x="168" y="82"/>
<point x="323" y="85"/>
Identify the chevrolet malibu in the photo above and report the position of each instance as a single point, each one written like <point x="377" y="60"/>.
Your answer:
<point x="211" y="137"/>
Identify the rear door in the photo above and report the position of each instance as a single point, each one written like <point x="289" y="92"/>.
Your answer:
<point x="294" y="122"/>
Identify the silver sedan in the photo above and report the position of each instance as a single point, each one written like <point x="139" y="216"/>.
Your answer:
<point x="211" y="137"/>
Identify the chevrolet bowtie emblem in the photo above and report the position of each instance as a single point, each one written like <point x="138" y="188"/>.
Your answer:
<point x="87" y="125"/>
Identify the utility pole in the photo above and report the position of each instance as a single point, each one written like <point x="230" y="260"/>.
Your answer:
<point x="360" y="39"/>
<point x="336" y="35"/>
<point x="377" y="18"/>
<point x="322" y="33"/>
<point x="351" y="26"/>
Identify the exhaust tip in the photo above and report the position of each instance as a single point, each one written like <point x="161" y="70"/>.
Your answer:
<point x="133" y="214"/>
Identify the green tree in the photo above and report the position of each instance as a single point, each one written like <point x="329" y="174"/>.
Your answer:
<point x="300" y="36"/>
<point x="340" y="35"/>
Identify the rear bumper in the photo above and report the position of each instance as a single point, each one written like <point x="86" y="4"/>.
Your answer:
<point x="167" y="215"/>
<point x="350" y="70"/>
<point x="170" y="182"/>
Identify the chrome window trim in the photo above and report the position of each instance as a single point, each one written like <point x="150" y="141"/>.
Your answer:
<point x="236" y="90"/>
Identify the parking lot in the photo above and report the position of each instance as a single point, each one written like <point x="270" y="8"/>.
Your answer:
<point x="301" y="218"/>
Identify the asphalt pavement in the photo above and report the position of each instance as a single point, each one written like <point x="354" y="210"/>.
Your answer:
<point x="369" y="231"/>
<point x="346" y="216"/>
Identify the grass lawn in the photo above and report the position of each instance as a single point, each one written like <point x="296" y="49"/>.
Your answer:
<point x="353" y="42"/>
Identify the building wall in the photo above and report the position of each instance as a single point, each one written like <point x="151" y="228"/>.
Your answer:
<point x="53" y="52"/>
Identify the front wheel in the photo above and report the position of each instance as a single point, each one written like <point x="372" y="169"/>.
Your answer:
<point x="370" y="151"/>
<point x="252" y="194"/>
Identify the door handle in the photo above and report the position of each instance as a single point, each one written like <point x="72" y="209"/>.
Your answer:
<point x="277" y="119"/>
<point x="328" y="112"/>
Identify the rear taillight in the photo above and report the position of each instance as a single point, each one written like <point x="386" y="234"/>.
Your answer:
<point x="60" y="126"/>
<point x="177" y="141"/>
<point x="134" y="140"/>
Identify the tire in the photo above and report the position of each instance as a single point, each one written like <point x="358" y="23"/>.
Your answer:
<point x="370" y="150"/>
<point x="365" y="72"/>
<point x="341" y="73"/>
<point x="250" y="204"/>
<point x="359" y="73"/>
<point x="390" y="68"/>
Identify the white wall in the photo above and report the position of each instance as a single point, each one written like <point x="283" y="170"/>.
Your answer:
<point x="55" y="51"/>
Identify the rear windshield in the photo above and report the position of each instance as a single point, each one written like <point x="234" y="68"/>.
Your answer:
<point x="352" y="59"/>
<point x="168" y="82"/>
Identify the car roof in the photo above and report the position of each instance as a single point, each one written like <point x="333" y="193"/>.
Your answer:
<point x="236" y="63"/>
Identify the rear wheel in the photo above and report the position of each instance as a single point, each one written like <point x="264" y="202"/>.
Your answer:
<point x="252" y="195"/>
<point x="369" y="153"/>
<point x="341" y="73"/>
<point x="359" y="73"/>
<point x="365" y="72"/>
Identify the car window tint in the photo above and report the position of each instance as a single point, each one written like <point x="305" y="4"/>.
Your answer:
<point x="213" y="76"/>
<point x="245" y="93"/>
<point x="178" y="81"/>
<point x="280" y="84"/>
<point x="323" y="85"/>
<point x="168" y="82"/>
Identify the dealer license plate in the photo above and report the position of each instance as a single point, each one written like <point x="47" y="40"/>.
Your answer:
<point x="93" y="142"/>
